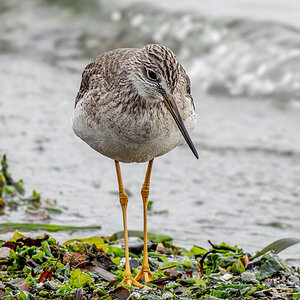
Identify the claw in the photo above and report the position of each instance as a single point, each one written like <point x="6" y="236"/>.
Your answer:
<point x="129" y="280"/>
<point x="145" y="273"/>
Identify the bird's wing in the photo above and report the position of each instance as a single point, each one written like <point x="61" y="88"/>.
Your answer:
<point x="90" y="69"/>
<point x="105" y="67"/>
<point x="184" y="85"/>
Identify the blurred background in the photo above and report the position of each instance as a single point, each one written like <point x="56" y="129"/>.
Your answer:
<point x="243" y="58"/>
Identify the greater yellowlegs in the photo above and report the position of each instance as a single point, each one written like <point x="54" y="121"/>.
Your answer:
<point x="132" y="106"/>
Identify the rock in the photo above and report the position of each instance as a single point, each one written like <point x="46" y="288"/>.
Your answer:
<point x="226" y="277"/>
<point x="122" y="262"/>
<point x="50" y="285"/>
<point x="172" y="272"/>
<point x="146" y="290"/>
<point x="103" y="273"/>
<point x="40" y="285"/>
<point x="294" y="279"/>
<point x="150" y="297"/>
<point x="167" y="296"/>
<point x="249" y="277"/>
<point x="134" y="263"/>
<point x="160" y="248"/>
<point x="180" y="290"/>
<point x="135" y="296"/>
<point x="171" y="284"/>
<point x="4" y="253"/>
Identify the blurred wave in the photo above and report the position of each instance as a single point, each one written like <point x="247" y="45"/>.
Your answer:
<point x="237" y="57"/>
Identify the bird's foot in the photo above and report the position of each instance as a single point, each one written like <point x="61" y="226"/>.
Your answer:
<point x="145" y="274"/>
<point x="129" y="280"/>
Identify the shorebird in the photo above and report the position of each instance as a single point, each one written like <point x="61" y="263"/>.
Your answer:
<point x="132" y="106"/>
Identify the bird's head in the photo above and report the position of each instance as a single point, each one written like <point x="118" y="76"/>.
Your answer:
<point x="154" y="73"/>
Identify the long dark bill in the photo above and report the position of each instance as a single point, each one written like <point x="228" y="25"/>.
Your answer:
<point x="171" y="105"/>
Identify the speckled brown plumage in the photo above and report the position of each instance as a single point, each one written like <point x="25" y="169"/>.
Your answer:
<point x="117" y="110"/>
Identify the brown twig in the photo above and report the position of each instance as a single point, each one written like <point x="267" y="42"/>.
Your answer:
<point x="171" y="267"/>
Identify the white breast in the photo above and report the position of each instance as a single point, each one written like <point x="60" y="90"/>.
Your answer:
<point x="136" y="142"/>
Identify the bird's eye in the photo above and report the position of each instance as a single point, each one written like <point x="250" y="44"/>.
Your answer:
<point x="152" y="75"/>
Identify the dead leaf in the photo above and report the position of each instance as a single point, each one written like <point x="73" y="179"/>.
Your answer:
<point x="32" y="242"/>
<point x="47" y="275"/>
<point x="120" y="292"/>
<point x="11" y="245"/>
<point x="245" y="260"/>
<point x="2" y="203"/>
<point x="26" y="242"/>
<point x="100" y="258"/>
<point x="74" y="258"/>
<point x="103" y="273"/>
<point x="160" y="248"/>
<point x="200" y="268"/>
<point x="167" y="268"/>
<point x="163" y="280"/>
<point x="172" y="272"/>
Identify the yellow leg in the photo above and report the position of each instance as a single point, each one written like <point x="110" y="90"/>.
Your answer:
<point x="128" y="279"/>
<point x="145" y="270"/>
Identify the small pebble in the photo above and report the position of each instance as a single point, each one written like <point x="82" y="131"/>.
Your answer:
<point x="50" y="285"/>
<point x="294" y="279"/>
<point x="134" y="263"/>
<point x="122" y="262"/>
<point x="4" y="252"/>
<point x="226" y="277"/>
<point x="249" y="277"/>
<point x="180" y="290"/>
<point x="17" y="281"/>
<point x="171" y="284"/>
<point x="160" y="248"/>
<point x="167" y="296"/>
<point x="135" y="296"/>
<point x="146" y="290"/>
<point x="40" y="285"/>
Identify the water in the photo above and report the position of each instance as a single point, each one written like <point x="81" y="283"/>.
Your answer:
<point x="232" y="55"/>
<point x="245" y="81"/>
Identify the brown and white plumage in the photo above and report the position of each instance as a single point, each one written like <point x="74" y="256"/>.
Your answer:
<point x="134" y="105"/>
<point x="120" y="111"/>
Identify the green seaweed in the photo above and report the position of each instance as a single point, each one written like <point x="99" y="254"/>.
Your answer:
<point x="93" y="267"/>
<point x="26" y="227"/>
<point x="278" y="246"/>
